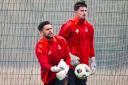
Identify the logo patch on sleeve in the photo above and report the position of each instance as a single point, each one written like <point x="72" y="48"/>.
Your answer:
<point x="77" y="31"/>
<point x="86" y="29"/>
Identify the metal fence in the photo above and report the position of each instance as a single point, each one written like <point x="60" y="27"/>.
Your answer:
<point x="18" y="34"/>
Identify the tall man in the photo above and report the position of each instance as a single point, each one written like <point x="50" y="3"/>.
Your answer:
<point x="50" y="50"/>
<point x="79" y="34"/>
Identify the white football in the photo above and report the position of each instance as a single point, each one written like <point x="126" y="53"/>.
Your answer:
<point x="82" y="71"/>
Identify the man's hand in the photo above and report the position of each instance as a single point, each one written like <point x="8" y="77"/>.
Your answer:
<point x="55" y="69"/>
<point x="93" y="65"/>
<point x="63" y="73"/>
<point x="74" y="60"/>
<point x="62" y="64"/>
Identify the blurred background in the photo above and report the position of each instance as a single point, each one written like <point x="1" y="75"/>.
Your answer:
<point x="19" y="20"/>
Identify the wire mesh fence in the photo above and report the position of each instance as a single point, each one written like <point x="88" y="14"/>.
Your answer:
<point x="18" y="34"/>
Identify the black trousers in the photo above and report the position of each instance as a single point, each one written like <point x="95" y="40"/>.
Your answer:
<point x="56" y="82"/>
<point x="73" y="80"/>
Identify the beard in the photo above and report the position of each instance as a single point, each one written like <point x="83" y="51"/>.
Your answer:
<point x="49" y="36"/>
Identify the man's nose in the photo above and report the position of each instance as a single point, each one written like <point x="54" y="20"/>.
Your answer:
<point x="84" y="12"/>
<point x="50" y="30"/>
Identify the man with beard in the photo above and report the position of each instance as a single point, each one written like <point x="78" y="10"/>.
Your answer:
<point x="50" y="50"/>
<point x="79" y="34"/>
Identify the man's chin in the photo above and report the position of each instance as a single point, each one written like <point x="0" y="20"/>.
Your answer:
<point x="83" y="19"/>
<point x="49" y="37"/>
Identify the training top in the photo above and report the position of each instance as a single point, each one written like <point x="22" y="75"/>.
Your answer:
<point x="80" y="38"/>
<point x="49" y="53"/>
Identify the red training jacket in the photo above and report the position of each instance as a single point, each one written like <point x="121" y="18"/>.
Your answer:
<point x="80" y="38"/>
<point x="49" y="53"/>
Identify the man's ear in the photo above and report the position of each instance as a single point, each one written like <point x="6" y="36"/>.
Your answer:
<point x="41" y="33"/>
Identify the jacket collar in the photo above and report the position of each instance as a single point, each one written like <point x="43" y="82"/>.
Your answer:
<point x="46" y="41"/>
<point x="78" y="21"/>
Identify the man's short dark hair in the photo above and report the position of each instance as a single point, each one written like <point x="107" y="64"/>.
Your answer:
<point x="42" y="24"/>
<point x="79" y="4"/>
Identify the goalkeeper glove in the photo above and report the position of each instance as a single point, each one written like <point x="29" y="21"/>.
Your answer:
<point x="62" y="74"/>
<point x="93" y="65"/>
<point x="55" y="69"/>
<point x="74" y="60"/>
<point x="62" y="64"/>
